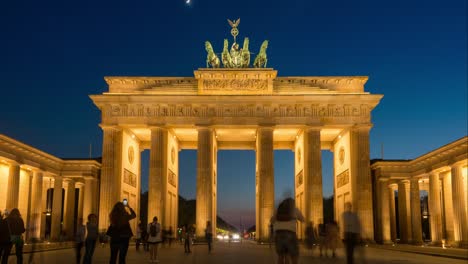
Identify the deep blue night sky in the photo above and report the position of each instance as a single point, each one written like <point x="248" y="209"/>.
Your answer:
<point x="55" y="53"/>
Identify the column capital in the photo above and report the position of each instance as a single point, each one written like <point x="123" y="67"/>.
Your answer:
<point x="200" y="127"/>
<point x="458" y="164"/>
<point x="362" y="127"/>
<point x="312" y="128"/>
<point x="404" y="181"/>
<point x="110" y="127"/>
<point x="79" y="184"/>
<point x="157" y="126"/>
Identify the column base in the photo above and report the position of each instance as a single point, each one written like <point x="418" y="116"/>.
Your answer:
<point x="435" y="243"/>
<point x="416" y="242"/>
<point x="460" y="244"/>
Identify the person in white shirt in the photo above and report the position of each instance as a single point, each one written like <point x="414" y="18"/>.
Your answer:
<point x="154" y="238"/>
<point x="284" y="225"/>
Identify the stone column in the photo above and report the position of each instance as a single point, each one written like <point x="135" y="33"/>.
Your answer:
<point x="79" y="211"/>
<point x="13" y="186"/>
<point x="415" y="211"/>
<point x="56" y="218"/>
<point x="111" y="173"/>
<point x="404" y="211"/>
<point x="87" y="192"/>
<point x="36" y="206"/>
<point x="391" y="200"/>
<point x="460" y="218"/>
<point x="266" y="185"/>
<point x="157" y="174"/>
<point x="204" y="210"/>
<point x="385" y="226"/>
<point x="448" y="207"/>
<point x="27" y="218"/>
<point x="313" y="197"/>
<point x="69" y="216"/>
<point x="434" y="208"/>
<point x="361" y="182"/>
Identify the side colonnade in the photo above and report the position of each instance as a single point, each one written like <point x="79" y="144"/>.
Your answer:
<point x="442" y="175"/>
<point x="46" y="190"/>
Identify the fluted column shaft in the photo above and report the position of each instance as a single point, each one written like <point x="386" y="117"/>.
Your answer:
<point x="13" y="186"/>
<point x="460" y="218"/>
<point x="55" y="229"/>
<point x="385" y="226"/>
<point x="266" y="185"/>
<point x="313" y="198"/>
<point x="111" y="173"/>
<point x="391" y="200"/>
<point x="69" y="217"/>
<point x="434" y="208"/>
<point x="448" y="207"/>
<point x="157" y="174"/>
<point x="415" y="212"/>
<point x="36" y="206"/>
<point x="204" y="210"/>
<point x="361" y="182"/>
<point x="404" y="212"/>
<point x="88" y="193"/>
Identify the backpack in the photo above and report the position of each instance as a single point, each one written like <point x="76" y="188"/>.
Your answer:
<point x="153" y="230"/>
<point x="286" y="210"/>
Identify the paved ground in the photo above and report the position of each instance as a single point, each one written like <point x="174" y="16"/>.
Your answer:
<point x="244" y="253"/>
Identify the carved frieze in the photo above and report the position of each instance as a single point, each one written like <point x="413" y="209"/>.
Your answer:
<point x="236" y="110"/>
<point x="129" y="178"/>
<point x="342" y="179"/>
<point x="235" y="85"/>
<point x="171" y="178"/>
<point x="299" y="179"/>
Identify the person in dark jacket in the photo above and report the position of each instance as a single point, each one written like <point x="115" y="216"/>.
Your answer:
<point x="15" y="228"/>
<point x="4" y="237"/>
<point x="120" y="231"/>
<point x="91" y="237"/>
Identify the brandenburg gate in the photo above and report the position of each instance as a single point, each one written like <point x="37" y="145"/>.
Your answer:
<point x="229" y="108"/>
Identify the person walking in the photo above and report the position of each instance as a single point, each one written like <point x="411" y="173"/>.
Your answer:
<point x="79" y="239"/>
<point x="186" y="233"/>
<point x="311" y="235"/>
<point x="138" y="236"/>
<point x="154" y="238"/>
<point x="15" y="227"/>
<point x="120" y="231"/>
<point x="91" y="238"/>
<point x="209" y="235"/>
<point x="284" y="224"/>
<point x="352" y="231"/>
<point x="333" y="237"/>
<point x="322" y="233"/>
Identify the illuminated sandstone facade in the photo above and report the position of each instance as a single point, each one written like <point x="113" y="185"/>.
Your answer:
<point x="236" y="109"/>
<point x="441" y="173"/>
<point x="44" y="188"/>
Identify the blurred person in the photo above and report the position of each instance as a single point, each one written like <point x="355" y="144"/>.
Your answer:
<point x="284" y="224"/>
<point x="170" y="234"/>
<point x="209" y="235"/>
<point x="138" y="236"/>
<point x="120" y="231"/>
<point x="352" y="231"/>
<point x="322" y="233"/>
<point x="186" y="233"/>
<point x="333" y="237"/>
<point x="272" y="233"/>
<point x="79" y="239"/>
<point x="154" y="238"/>
<point x="15" y="228"/>
<point x="92" y="235"/>
<point x="311" y="235"/>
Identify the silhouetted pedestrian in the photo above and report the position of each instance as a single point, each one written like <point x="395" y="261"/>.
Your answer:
<point x="352" y="231"/>
<point x="15" y="227"/>
<point x="91" y="238"/>
<point x="138" y="236"/>
<point x="333" y="237"/>
<point x="120" y="232"/>
<point x="187" y="235"/>
<point x="209" y="235"/>
<point x="311" y="236"/>
<point x="79" y="239"/>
